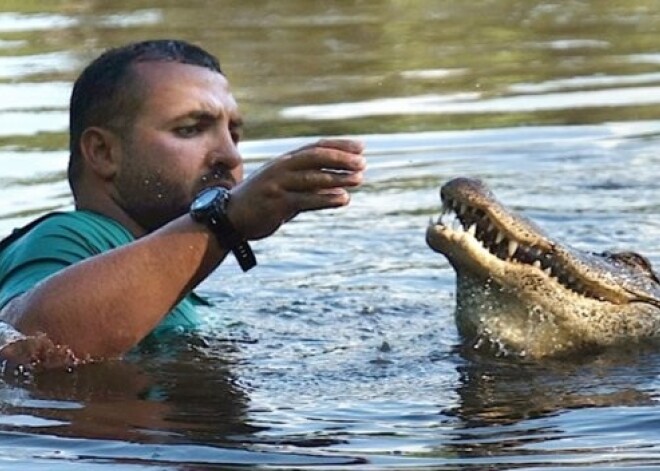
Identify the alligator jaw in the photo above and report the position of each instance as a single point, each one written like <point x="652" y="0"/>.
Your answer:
<point x="478" y="234"/>
<point x="525" y="294"/>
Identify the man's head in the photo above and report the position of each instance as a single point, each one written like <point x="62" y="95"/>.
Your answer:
<point x="152" y="123"/>
<point x="107" y="94"/>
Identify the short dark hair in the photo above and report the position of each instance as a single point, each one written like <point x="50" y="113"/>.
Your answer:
<point x="104" y="94"/>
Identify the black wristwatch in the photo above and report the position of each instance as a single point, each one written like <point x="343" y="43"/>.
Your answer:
<point x="210" y="208"/>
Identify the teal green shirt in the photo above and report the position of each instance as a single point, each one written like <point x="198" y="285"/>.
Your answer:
<point x="62" y="239"/>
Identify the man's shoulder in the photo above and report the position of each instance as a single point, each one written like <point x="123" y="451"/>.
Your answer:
<point x="80" y="221"/>
<point x="95" y="231"/>
<point x="50" y="243"/>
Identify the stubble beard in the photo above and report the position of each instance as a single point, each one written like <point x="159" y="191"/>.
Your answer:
<point x="148" y="196"/>
<point x="151" y="202"/>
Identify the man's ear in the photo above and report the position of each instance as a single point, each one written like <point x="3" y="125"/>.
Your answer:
<point x="101" y="150"/>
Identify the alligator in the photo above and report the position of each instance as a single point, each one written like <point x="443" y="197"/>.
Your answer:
<point x="521" y="293"/>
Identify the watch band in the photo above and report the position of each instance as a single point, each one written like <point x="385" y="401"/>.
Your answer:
<point x="210" y="208"/>
<point x="229" y="237"/>
<point x="245" y="256"/>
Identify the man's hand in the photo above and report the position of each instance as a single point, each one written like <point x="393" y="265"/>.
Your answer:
<point x="313" y="177"/>
<point x="33" y="354"/>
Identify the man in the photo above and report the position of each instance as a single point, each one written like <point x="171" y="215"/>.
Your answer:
<point x="152" y="125"/>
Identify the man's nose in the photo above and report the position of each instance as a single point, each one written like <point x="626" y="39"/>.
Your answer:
<point x="224" y="152"/>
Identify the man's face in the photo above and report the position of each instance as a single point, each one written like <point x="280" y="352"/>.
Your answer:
<point x="183" y="139"/>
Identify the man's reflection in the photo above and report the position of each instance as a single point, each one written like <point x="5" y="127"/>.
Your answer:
<point x="185" y="395"/>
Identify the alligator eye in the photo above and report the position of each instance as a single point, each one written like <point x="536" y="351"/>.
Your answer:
<point x="635" y="261"/>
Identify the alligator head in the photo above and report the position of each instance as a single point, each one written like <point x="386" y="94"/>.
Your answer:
<point x="524" y="293"/>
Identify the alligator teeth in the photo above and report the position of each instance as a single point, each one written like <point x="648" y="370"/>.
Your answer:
<point x="487" y="235"/>
<point x="513" y="246"/>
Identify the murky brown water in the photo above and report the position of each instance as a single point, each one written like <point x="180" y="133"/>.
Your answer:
<point x="340" y="350"/>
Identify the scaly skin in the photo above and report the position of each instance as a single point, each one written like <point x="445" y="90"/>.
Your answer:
<point x="525" y="294"/>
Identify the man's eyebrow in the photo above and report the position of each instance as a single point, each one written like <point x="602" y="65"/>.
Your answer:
<point x="202" y="115"/>
<point x="236" y="122"/>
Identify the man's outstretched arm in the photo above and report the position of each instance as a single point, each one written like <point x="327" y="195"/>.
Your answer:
<point x="104" y="305"/>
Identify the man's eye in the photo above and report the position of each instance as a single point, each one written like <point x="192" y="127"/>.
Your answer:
<point x="187" y="131"/>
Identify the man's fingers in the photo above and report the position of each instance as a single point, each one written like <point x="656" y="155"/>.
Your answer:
<point x="322" y="199"/>
<point x="313" y="180"/>
<point x="325" y="157"/>
<point x="35" y="353"/>
<point x="346" y="145"/>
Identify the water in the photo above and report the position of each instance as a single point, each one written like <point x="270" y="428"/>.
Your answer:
<point x="339" y="351"/>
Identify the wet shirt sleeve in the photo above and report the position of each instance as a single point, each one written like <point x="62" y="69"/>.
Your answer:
<point x="54" y="244"/>
<point x="67" y="238"/>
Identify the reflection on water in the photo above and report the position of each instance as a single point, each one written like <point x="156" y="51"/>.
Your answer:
<point x="425" y="65"/>
<point x="340" y="351"/>
<point x="473" y="103"/>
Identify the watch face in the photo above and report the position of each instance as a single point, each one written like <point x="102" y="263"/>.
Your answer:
<point x="204" y="199"/>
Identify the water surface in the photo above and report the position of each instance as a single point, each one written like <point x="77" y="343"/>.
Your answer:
<point x="340" y="351"/>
